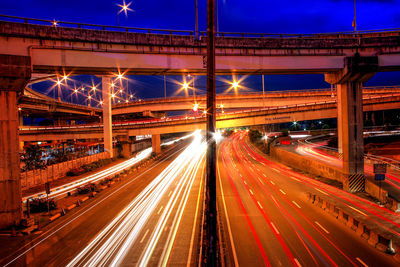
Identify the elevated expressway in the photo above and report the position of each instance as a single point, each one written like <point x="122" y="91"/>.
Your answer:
<point x="49" y="49"/>
<point x="260" y="116"/>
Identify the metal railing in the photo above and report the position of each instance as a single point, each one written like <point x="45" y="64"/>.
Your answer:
<point x="89" y="26"/>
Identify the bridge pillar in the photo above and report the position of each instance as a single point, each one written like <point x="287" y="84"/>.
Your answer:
<point x="156" y="143"/>
<point x="107" y="115"/>
<point x="125" y="143"/>
<point x="349" y="83"/>
<point x="15" y="73"/>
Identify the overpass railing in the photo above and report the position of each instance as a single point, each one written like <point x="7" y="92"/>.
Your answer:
<point x="90" y="26"/>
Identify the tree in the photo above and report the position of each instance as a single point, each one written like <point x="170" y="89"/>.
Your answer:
<point x="32" y="158"/>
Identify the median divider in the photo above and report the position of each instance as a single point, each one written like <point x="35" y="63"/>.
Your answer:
<point x="374" y="236"/>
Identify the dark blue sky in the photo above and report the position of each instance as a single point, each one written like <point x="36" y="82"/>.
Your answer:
<point x="268" y="16"/>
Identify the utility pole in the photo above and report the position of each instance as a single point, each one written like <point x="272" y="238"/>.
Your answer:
<point x="263" y="89"/>
<point x="196" y="17"/>
<point x="210" y="234"/>
<point x="165" y="87"/>
<point x="354" y="20"/>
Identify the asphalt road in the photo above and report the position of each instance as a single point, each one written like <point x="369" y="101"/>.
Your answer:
<point x="147" y="219"/>
<point x="267" y="221"/>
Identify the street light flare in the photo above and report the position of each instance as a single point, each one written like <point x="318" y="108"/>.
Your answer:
<point x="195" y="107"/>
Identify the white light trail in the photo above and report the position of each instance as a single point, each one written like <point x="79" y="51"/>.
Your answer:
<point x="113" y="243"/>
<point x="63" y="189"/>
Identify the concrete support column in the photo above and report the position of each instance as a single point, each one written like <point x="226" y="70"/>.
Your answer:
<point x="125" y="143"/>
<point x="156" y="143"/>
<point x="349" y="81"/>
<point x="351" y="126"/>
<point x="107" y="115"/>
<point x="15" y="73"/>
<point x="10" y="187"/>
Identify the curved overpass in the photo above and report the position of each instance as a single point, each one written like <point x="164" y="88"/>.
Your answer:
<point x="302" y="112"/>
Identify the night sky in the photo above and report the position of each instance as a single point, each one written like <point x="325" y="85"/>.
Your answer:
<point x="262" y="16"/>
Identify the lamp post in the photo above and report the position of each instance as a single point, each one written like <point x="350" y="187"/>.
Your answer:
<point x="354" y="19"/>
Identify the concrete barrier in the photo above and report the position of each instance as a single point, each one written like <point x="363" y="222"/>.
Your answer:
<point x="372" y="237"/>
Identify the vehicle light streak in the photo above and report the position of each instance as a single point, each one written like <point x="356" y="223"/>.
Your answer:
<point x="63" y="189"/>
<point x="112" y="245"/>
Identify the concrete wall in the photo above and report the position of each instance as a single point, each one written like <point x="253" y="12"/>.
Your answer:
<point x="53" y="172"/>
<point x="312" y="166"/>
<point x="322" y="169"/>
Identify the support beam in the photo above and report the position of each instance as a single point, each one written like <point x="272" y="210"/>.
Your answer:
<point x="349" y="83"/>
<point x="156" y="143"/>
<point x="107" y="115"/>
<point x="15" y="73"/>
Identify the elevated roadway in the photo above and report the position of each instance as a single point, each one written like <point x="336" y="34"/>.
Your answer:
<point x="301" y="112"/>
<point x="102" y="50"/>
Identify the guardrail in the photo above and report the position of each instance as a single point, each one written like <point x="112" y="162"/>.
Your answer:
<point x="89" y="26"/>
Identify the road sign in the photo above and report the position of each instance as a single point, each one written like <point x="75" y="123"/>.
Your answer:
<point x="379" y="176"/>
<point x="380" y="168"/>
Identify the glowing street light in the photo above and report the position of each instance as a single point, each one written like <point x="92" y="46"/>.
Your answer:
<point x="113" y="95"/>
<point x="55" y="23"/>
<point x="94" y="88"/>
<point x="185" y="86"/>
<point x="112" y="84"/>
<point x="235" y="85"/>
<point x="195" y="107"/>
<point x="205" y="112"/>
<point x="124" y="8"/>
<point x="76" y="91"/>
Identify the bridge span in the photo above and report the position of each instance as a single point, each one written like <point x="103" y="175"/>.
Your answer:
<point x="260" y="116"/>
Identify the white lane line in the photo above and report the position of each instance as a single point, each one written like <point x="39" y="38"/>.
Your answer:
<point x="170" y="192"/>
<point x="160" y="210"/>
<point x="276" y="230"/>
<point x="251" y="192"/>
<point x="263" y="163"/>
<point x="145" y="234"/>
<point x="363" y="263"/>
<point x="245" y="182"/>
<point x="321" y="191"/>
<point x="294" y="178"/>
<point x="283" y="192"/>
<point x="357" y="210"/>
<point x="240" y="175"/>
<point x="272" y="182"/>
<point x="296" y="204"/>
<point x="258" y="169"/>
<point x="259" y="204"/>
<point x="264" y="175"/>
<point x="261" y="181"/>
<point x="317" y="223"/>
<point x="251" y="169"/>
<point x="276" y="170"/>
<point x="297" y="262"/>
<point x="227" y="219"/>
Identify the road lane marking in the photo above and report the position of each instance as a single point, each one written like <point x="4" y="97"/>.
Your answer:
<point x="160" y="210"/>
<point x="297" y="262"/>
<point x="283" y="192"/>
<point x="145" y="234"/>
<point x="227" y="219"/>
<point x="271" y="182"/>
<point x="260" y="181"/>
<point x="245" y="182"/>
<point x="363" y="263"/>
<point x="240" y="175"/>
<point x="259" y="204"/>
<point x="264" y="175"/>
<point x="276" y="230"/>
<point x="251" y="169"/>
<point x="170" y="192"/>
<point x="258" y="169"/>
<point x="357" y="210"/>
<point x="276" y="170"/>
<point x="317" y="223"/>
<point x="294" y="178"/>
<point x="251" y="192"/>
<point x="296" y="204"/>
<point x="321" y="191"/>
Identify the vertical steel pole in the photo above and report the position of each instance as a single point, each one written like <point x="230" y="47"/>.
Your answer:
<point x="165" y="87"/>
<point x="210" y="238"/>
<point x="196" y="17"/>
<point x="263" y="90"/>
<point x="355" y="21"/>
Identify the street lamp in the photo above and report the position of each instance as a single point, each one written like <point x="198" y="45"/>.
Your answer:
<point x="124" y="8"/>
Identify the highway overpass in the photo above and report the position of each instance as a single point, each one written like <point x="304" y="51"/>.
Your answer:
<point x="260" y="116"/>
